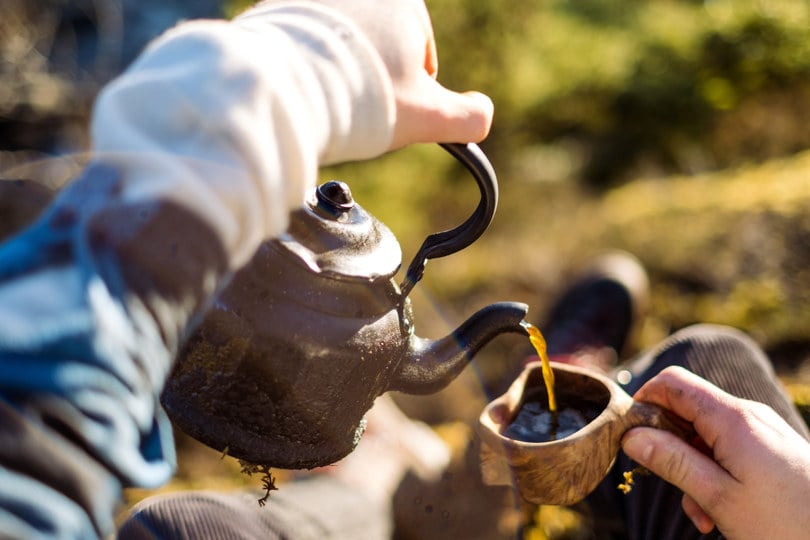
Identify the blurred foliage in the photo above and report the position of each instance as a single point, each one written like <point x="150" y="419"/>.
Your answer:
<point x="56" y="54"/>
<point x="728" y="247"/>
<point x="630" y="90"/>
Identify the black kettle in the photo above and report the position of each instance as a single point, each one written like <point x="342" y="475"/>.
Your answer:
<point x="295" y="350"/>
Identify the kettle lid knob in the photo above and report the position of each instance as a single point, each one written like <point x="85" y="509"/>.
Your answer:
<point x="334" y="197"/>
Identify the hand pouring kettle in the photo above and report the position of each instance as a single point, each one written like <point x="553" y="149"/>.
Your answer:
<point x="306" y="336"/>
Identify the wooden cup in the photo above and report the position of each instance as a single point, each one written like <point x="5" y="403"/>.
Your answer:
<point x="566" y="470"/>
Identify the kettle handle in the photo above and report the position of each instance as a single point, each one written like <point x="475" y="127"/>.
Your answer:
<point x="445" y="243"/>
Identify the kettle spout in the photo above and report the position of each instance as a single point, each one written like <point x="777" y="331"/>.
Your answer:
<point x="431" y="365"/>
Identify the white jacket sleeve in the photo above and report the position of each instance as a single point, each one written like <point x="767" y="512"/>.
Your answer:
<point x="200" y="150"/>
<point x="232" y="119"/>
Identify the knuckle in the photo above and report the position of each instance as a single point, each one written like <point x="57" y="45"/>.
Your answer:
<point x="676" y="467"/>
<point x="757" y="410"/>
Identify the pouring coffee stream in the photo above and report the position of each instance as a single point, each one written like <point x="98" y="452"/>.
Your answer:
<point x="302" y="341"/>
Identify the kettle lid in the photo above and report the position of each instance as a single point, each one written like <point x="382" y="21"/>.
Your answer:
<point x="332" y="234"/>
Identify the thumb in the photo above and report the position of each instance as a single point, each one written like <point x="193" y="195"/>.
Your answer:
<point x="432" y="113"/>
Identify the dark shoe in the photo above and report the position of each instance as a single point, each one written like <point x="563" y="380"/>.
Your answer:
<point x="592" y="321"/>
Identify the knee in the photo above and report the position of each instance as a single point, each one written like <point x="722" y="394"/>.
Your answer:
<point x="716" y="335"/>
<point x="707" y="348"/>
<point x="192" y="514"/>
<point x="713" y="332"/>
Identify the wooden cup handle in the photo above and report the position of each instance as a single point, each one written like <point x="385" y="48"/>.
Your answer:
<point x="649" y="415"/>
